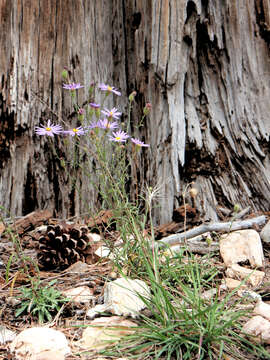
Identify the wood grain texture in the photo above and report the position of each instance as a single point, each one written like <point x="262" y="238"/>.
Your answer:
<point x="203" y="64"/>
<point x="208" y="81"/>
<point x="39" y="38"/>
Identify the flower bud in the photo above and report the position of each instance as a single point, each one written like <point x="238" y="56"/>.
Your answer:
<point x="81" y="114"/>
<point x="147" y="109"/>
<point x="236" y="208"/>
<point x="91" y="112"/>
<point x="64" y="74"/>
<point x="132" y="96"/>
<point x="62" y="163"/>
<point x="97" y="112"/>
<point x="91" y="89"/>
<point x="193" y="192"/>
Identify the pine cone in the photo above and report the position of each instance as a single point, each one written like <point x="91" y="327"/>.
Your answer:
<point x="63" y="245"/>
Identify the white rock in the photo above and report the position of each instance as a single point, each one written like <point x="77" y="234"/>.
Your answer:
<point x="103" y="251"/>
<point x="249" y="295"/>
<point x="6" y="335"/>
<point x="233" y="284"/>
<point x="253" y="277"/>
<point x="34" y="342"/>
<point x="259" y="327"/>
<point x="79" y="295"/>
<point x="104" y="331"/>
<point x="121" y="298"/>
<point x="97" y="310"/>
<point x="11" y="300"/>
<point x="240" y="246"/>
<point x="209" y="294"/>
<point x="262" y="309"/>
<point x="49" y="355"/>
<point x="121" y="295"/>
<point x="265" y="233"/>
<point x="95" y="237"/>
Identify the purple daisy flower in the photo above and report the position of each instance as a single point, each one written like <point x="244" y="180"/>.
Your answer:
<point x="50" y="129"/>
<point x="75" y="131"/>
<point x="113" y="113"/>
<point x="106" y="124"/>
<point x="109" y="89"/>
<point x="139" y="143"/>
<point x="72" y="86"/>
<point x="94" y="125"/>
<point x="119" y="136"/>
<point x="94" y="106"/>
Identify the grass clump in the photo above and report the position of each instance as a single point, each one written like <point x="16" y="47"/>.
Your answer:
<point x="40" y="301"/>
<point x="183" y="325"/>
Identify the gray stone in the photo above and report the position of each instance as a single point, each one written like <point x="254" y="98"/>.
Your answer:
<point x="265" y="233"/>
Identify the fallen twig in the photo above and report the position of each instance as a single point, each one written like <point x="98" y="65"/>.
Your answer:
<point x="30" y="221"/>
<point x="196" y="245"/>
<point x="227" y="226"/>
<point x="242" y="213"/>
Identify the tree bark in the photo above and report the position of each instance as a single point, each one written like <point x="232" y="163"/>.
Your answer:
<point x="39" y="38"/>
<point x="203" y="64"/>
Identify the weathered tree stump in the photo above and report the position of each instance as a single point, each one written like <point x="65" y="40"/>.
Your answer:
<point x="203" y="64"/>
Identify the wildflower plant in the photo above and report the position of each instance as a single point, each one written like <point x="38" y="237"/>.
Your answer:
<point x="72" y="86"/>
<point x="103" y="149"/>
<point x="49" y="129"/>
<point x="75" y="131"/>
<point x="119" y="136"/>
<point x="109" y="89"/>
<point x="113" y="113"/>
<point x="182" y="324"/>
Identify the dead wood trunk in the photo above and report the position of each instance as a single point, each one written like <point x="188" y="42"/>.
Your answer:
<point x="38" y="39"/>
<point x="203" y="64"/>
<point x="205" y="67"/>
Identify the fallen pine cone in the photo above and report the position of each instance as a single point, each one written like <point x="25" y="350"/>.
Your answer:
<point x="63" y="245"/>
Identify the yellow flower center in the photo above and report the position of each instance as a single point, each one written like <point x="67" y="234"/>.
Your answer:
<point x="111" y="114"/>
<point x="109" y="88"/>
<point x="118" y="138"/>
<point x="48" y="129"/>
<point x="75" y="130"/>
